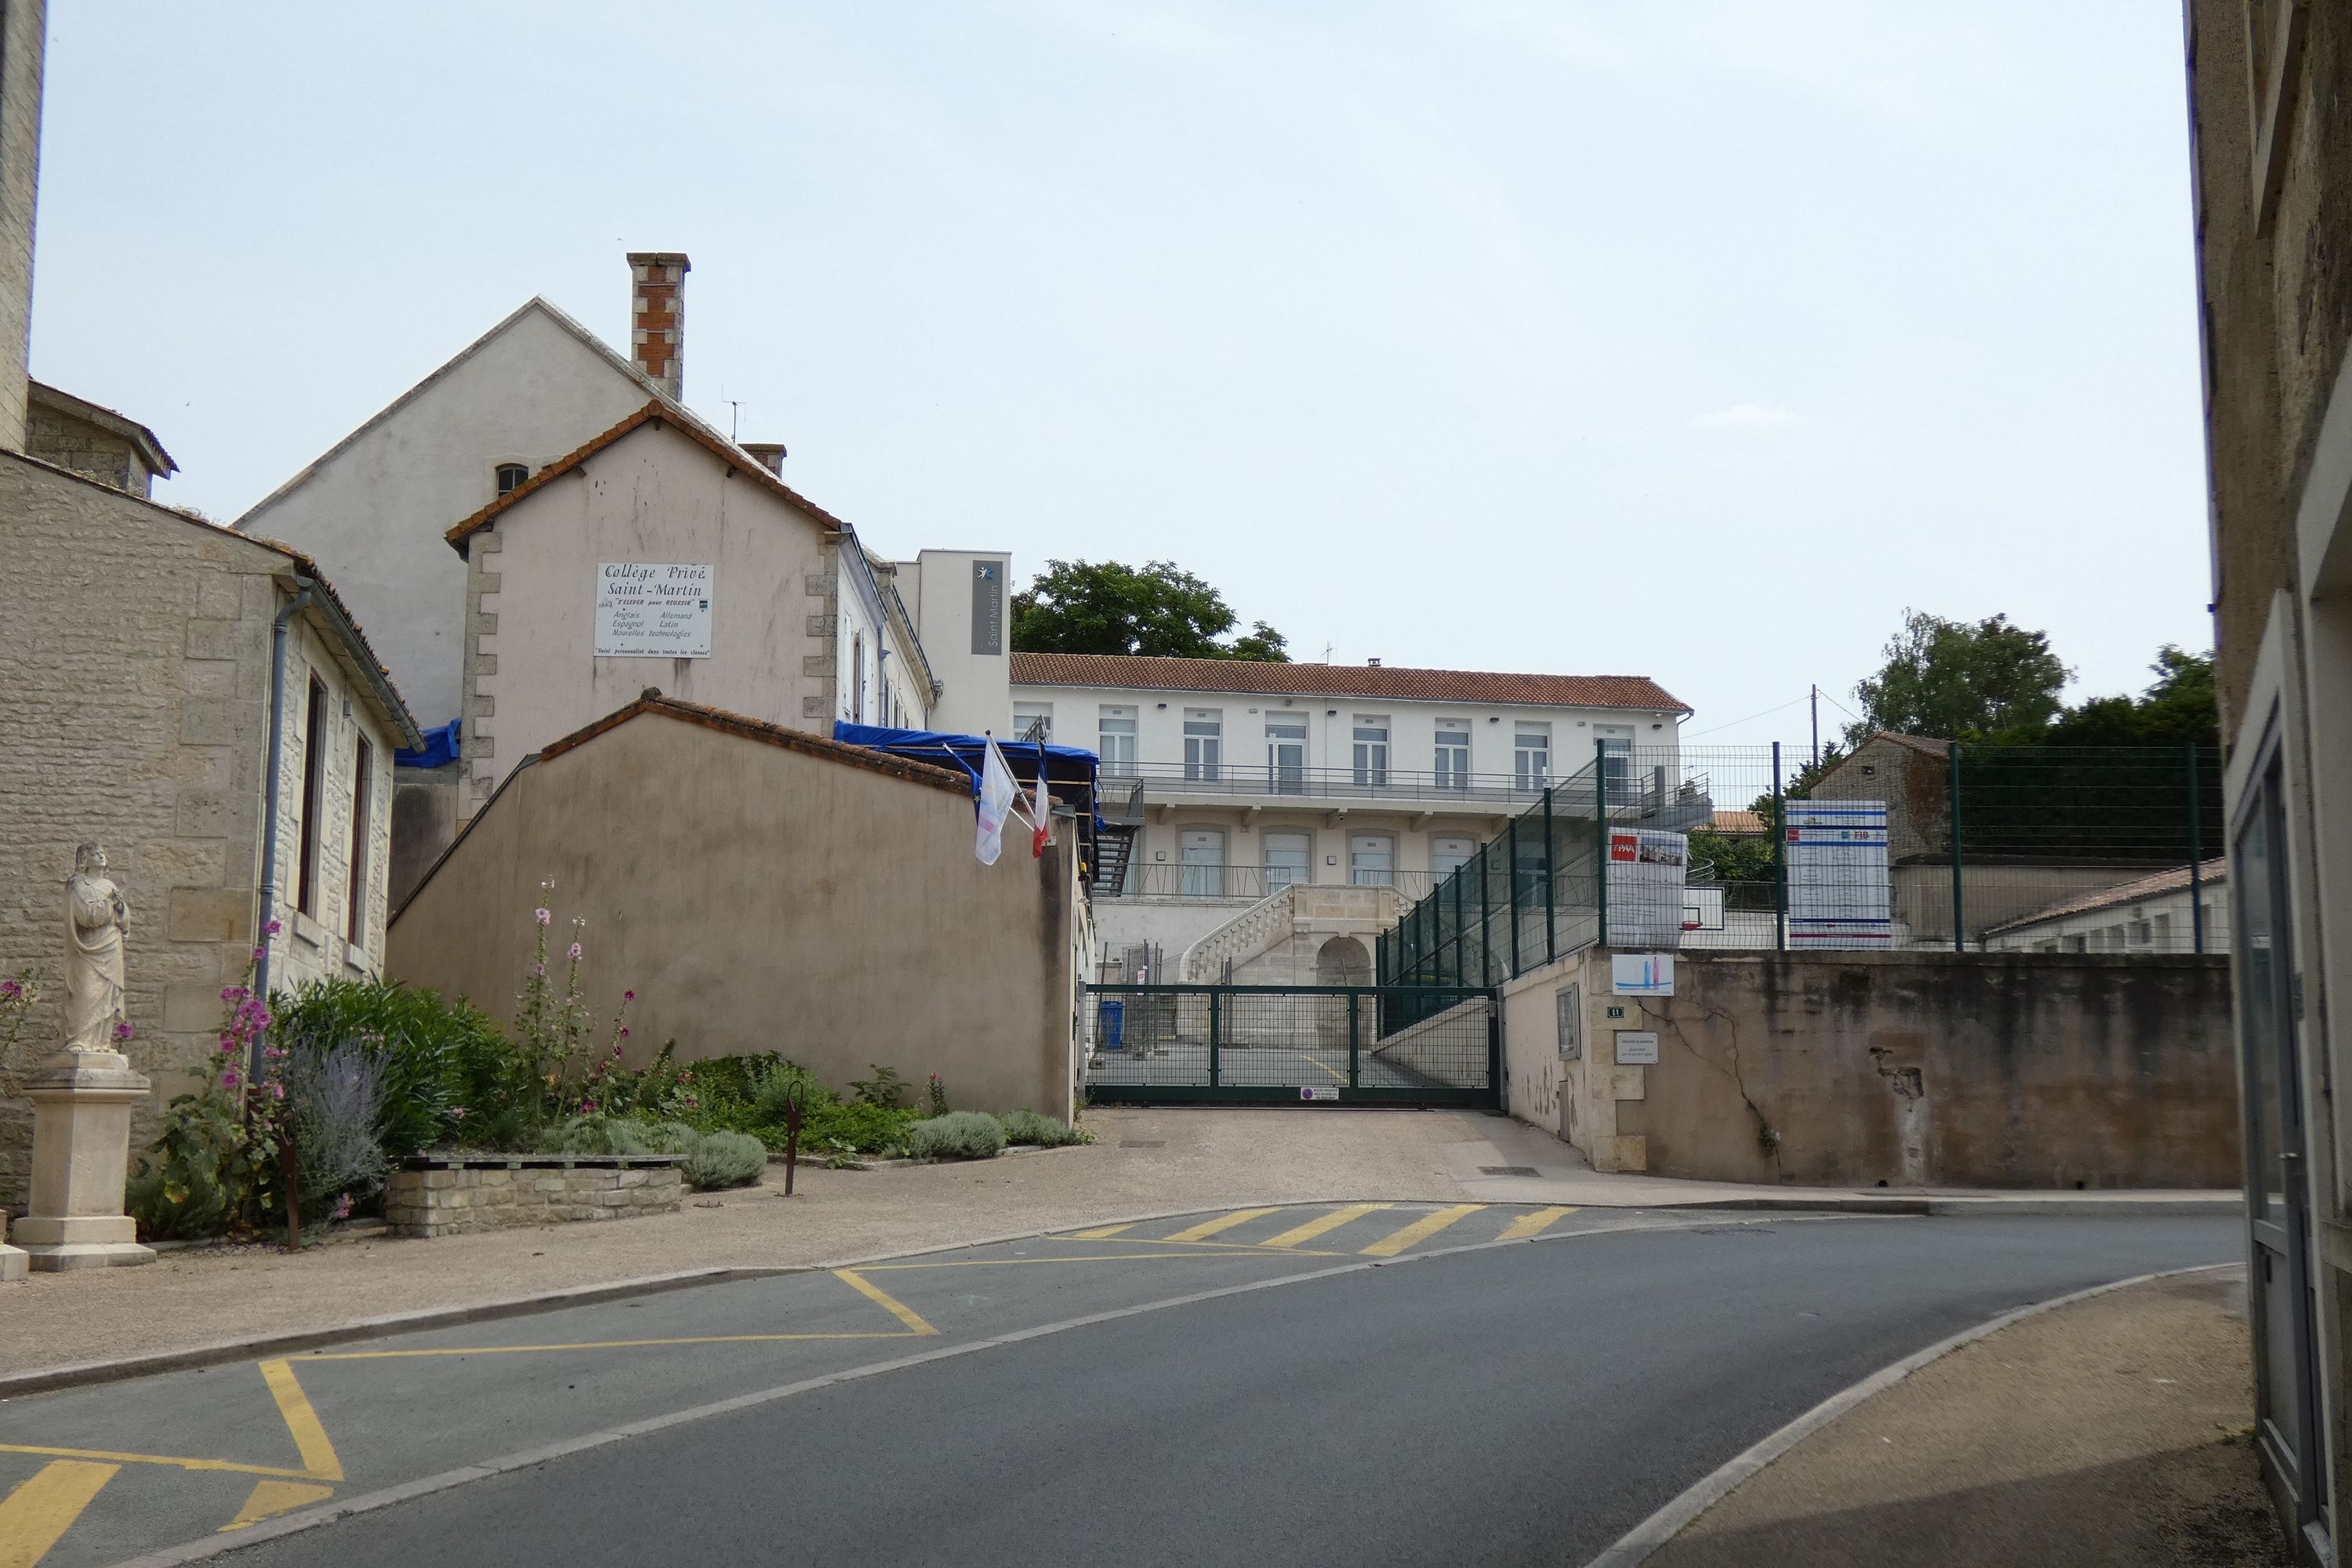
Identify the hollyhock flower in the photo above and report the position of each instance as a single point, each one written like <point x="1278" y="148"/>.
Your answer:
<point x="458" y="1114"/>
<point x="541" y="916"/>
<point x="277" y="1090"/>
<point x="575" y="950"/>
<point x="272" y="929"/>
<point x="122" y="1032"/>
<point x="259" y="953"/>
<point x="539" y="969"/>
<point x="628" y="995"/>
<point x="624" y="1034"/>
<point x="10" y="990"/>
<point x="228" y="1080"/>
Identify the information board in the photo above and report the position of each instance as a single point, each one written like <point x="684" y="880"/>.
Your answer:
<point x="1637" y="1048"/>
<point x="1839" y="893"/>
<point x="653" y="610"/>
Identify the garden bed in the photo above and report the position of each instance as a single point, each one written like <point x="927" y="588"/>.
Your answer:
<point x="448" y="1195"/>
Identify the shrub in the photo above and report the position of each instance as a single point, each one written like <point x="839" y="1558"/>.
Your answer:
<point x="334" y="1102"/>
<point x="447" y="1071"/>
<point x="1028" y="1127"/>
<point x="938" y="1096"/>
<point x="724" y="1159"/>
<point x="959" y="1135"/>
<point x="196" y="1173"/>
<point x="599" y="1132"/>
<point x="885" y="1089"/>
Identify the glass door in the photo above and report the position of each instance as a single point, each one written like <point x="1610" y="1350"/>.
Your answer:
<point x="1288" y="858"/>
<point x="1371" y="861"/>
<point x="1204" y="864"/>
<point x="1286" y="755"/>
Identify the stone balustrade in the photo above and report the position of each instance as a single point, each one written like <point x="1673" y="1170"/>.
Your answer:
<point x="436" y="1195"/>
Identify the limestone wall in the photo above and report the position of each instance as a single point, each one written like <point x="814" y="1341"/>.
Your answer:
<point x="449" y="1197"/>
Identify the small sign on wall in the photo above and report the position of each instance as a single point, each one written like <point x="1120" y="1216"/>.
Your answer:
<point x="1641" y="974"/>
<point x="1569" y="1000"/>
<point x="1637" y="1048"/>
<point x="653" y="610"/>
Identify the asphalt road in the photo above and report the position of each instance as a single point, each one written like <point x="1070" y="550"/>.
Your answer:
<point x="1505" y="1405"/>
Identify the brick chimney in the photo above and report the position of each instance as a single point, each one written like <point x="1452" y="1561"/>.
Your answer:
<point x="658" y="316"/>
<point x="771" y="454"/>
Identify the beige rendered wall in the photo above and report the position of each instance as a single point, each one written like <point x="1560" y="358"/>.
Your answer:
<point x="656" y="495"/>
<point x="759" y="899"/>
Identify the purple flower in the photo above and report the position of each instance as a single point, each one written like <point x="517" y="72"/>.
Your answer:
<point x="628" y="995"/>
<point x="539" y="969"/>
<point x="624" y="1034"/>
<point x="575" y="950"/>
<point x="541" y="916"/>
<point x="587" y="1106"/>
<point x="458" y="1114"/>
<point x="10" y="990"/>
<point x="228" y="1080"/>
<point x="278" y="1090"/>
<point x="259" y="953"/>
<point x="122" y="1033"/>
<point x="272" y="929"/>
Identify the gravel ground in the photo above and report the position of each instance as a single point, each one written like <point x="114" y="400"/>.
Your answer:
<point x="1144" y="1161"/>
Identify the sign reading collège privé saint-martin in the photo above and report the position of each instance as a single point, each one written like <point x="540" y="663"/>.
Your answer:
<point x="653" y="610"/>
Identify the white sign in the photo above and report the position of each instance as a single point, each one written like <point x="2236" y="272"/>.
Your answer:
<point x="1312" y="1093"/>
<point x="1641" y="974"/>
<point x="652" y="610"/>
<point x="1839" y="893"/>
<point x="1647" y="871"/>
<point x="1636" y="1049"/>
<point x="1569" y="1000"/>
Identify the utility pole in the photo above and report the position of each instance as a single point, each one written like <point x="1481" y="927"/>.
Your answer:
<point x="1816" y="724"/>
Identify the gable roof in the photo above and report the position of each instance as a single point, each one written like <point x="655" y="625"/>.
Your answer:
<point x="536" y="303"/>
<point x="1152" y="672"/>
<point x="719" y="719"/>
<point x="150" y="450"/>
<point x="2210" y="874"/>
<point x="663" y="413"/>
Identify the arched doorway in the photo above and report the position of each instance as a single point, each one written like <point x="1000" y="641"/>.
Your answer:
<point x="1341" y="960"/>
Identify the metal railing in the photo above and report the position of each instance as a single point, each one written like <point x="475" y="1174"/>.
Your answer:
<point x="1261" y="780"/>
<point x="1247" y="884"/>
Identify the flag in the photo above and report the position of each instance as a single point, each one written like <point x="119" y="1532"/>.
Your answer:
<point x="997" y="795"/>
<point x="1043" y="820"/>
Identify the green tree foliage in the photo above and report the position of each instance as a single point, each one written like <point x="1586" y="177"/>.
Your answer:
<point x="1958" y="681"/>
<point x="1103" y="606"/>
<point x="2178" y="709"/>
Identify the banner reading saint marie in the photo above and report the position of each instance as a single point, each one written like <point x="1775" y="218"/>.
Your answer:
<point x="653" y="610"/>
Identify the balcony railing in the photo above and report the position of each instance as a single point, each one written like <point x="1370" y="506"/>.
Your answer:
<point x="1262" y="780"/>
<point x="1249" y="883"/>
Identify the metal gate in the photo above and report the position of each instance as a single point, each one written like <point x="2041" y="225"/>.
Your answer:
<point x="1271" y="1045"/>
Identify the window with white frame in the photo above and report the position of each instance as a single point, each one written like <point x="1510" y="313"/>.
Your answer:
<point x="1285" y="753"/>
<point x="1033" y="722"/>
<point x="1203" y="855"/>
<point x="1447" y="855"/>
<point x="1616" y="747"/>
<point x="1115" y="733"/>
<point x="1453" y="754"/>
<point x="1531" y="755"/>
<point x="1204" y="743"/>
<point x="1371" y="750"/>
<point x="1371" y="861"/>
<point x="1289" y="857"/>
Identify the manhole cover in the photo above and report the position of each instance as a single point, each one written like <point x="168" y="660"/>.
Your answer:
<point x="1152" y="1143"/>
<point x="1509" y="1171"/>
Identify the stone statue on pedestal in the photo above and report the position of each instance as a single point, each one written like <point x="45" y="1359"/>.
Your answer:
<point x="96" y="918"/>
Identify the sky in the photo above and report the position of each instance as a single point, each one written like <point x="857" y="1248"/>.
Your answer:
<point x="1697" y="341"/>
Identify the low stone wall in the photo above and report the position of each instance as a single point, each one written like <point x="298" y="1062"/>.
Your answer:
<point x="434" y="1194"/>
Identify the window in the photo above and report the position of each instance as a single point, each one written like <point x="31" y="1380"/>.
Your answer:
<point x="314" y="782"/>
<point x="1033" y="722"/>
<point x="1116" y="731"/>
<point x="1371" y="752"/>
<point x="1204" y="731"/>
<point x="2077" y="944"/>
<point x="857" y="679"/>
<point x="1371" y="861"/>
<point x="510" y="478"/>
<point x="2161" y="932"/>
<point x="363" y="805"/>
<point x="2142" y="934"/>
<point x="1289" y="857"/>
<point x="1453" y="754"/>
<point x="1286" y="755"/>
<point x="1531" y="757"/>
<point x="1204" y="864"/>
<point x="1447" y="855"/>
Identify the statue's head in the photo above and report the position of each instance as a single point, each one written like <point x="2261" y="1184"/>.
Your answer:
<point x="89" y="859"/>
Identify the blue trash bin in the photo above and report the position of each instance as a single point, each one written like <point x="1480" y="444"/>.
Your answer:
<point x="1114" y="1025"/>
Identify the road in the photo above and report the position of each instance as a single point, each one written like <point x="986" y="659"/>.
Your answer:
<point x="1265" y="1385"/>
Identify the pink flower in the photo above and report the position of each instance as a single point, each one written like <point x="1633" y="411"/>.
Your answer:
<point x="272" y="929"/>
<point x="587" y="1105"/>
<point x="539" y="969"/>
<point x="624" y="1034"/>
<point x="541" y="916"/>
<point x="277" y="1090"/>
<point x="10" y="990"/>
<point x="228" y="1080"/>
<point x="458" y="1114"/>
<point x="575" y="950"/>
<point x="122" y="1032"/>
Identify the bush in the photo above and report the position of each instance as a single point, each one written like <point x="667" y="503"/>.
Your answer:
<point x="724" y="1159"/>
<point x="449" y="1075"/>
<point x="959" y="1135"/>
<point x="1028" y="1127"/>
<point x="191" y="1183"/>
<point x="334" y="1104"/>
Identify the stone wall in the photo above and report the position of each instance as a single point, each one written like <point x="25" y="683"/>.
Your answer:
<point x="435" y="1196"/>
<point x="54" y="436"/>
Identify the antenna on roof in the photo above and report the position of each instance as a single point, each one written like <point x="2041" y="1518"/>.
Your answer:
<point x="1327" y="653"/>
<point x="735" y="419"/>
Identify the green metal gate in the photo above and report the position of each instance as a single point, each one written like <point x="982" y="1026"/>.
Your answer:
<point x="1288" y="1045"/>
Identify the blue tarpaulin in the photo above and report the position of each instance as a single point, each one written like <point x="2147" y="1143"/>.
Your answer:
<point x="440" y="747"/>
<point x="1065" y="765"/>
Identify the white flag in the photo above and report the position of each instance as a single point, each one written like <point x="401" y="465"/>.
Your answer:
<point x="996" y="796"/>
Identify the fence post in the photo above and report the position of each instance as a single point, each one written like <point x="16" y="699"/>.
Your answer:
<point x="1459" y="939"/>
<point x="1779" y="857"/>
<point x="1355" y="1039"/>
<point x="2196" y="858"/>
<point x="1960" y="910"/>
<point x="1551" y="887"/>
<point x="1216" y="997"/>
<point x="1511" y="832"/>
<point x="1485" y="917"/>
<point x="1600" y="840"/>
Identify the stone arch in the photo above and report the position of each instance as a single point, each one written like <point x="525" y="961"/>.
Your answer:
<point x="1341" y="960"/>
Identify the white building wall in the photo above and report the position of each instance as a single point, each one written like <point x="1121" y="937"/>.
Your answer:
<point x="938" y="585"/>
<point x="2161" y="923"/>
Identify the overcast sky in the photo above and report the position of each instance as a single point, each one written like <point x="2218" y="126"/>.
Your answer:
<point x="1695" y="341"/>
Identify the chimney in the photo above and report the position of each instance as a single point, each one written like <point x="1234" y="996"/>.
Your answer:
<point x="770" y="453"/>
<point x="658" y="316"/>
<point x="1371" y="664"/>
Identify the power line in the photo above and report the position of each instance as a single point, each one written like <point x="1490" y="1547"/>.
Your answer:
<point x="1751" y="719"/>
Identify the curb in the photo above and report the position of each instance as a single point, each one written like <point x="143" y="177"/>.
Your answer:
<point x="1644" y="1540"/>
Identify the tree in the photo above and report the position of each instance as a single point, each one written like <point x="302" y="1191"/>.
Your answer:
<point x="1089" y="606"/>
<point x="2178" y="709"/>
<point x="1962" y="683"/>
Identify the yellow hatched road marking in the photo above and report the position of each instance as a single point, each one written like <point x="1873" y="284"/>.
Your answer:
<point x="1299" y="1235"/>
<point x="310" y="1437"/>
<point x="1208" y="1228"/>
<point x="178" y="1462"/>
<point x="1101" y="1232"/>
<point x="1207" y="1254"/>
<point x="1420" y="1230"/>
<point x="41" y="1510"/>
<point x="1535" y="1224"/>
<point x="873" y="1293"/>
<point x="271" y="1498"/>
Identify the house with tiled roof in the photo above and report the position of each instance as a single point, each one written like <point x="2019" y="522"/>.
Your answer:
<point x="2176" y="911"/>
<point x="1245" y="778"/>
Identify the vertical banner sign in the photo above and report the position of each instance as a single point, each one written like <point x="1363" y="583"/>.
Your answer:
<point x="987" y="606"/>
<point x="1839" y="893"/>
<point x="1646" y="867"/>
<point x="653" y="610"/>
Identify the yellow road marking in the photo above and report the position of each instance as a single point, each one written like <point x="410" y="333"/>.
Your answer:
<point x="1101" y="1232"/>
<point x="310" y="1437"/>
<point x="1535" y="1224"/>
<point x="1300" y="1233"/>
<point x="598" y="1345"/>
<point x="873" y="1293"/>
<point x="1206" y="1254"/>
<point x="1327" y="1067"/>
<point x="1210" y="1227"/>
<point x="1420" y="1230"/>
<point x="271" y="1498"/>
<point x="232" y="1466"/>
<point x="1146" y="1241"/>
<point x="41" y="1510"/>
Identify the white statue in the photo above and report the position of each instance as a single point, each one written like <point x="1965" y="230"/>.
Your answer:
<point x="95" y="918"/>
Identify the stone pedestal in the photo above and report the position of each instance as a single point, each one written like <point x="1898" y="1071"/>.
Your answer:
<point x="12" y="1261"/>
<point x="81" y="1155"/>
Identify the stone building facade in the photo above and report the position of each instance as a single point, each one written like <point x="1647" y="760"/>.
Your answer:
<point x="136" y="713"/>
<point x="96" y="443"/>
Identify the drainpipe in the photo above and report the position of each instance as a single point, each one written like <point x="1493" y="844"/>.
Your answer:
<point x="303" y="586"/>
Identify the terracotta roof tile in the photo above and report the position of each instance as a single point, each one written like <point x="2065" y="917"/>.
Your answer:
<point x="1149" y="673"/>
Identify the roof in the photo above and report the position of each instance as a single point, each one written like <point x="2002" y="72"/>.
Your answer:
<point x="1727" y="821"/>
<point x="2211" y="873"/>
<point x="1374" y="680"/>
<point x="150" y="450"/>
<point x="653" y="702"/>
<point x="661" y="413"/>
<point x="331" y="607"/>
<point x="535" y="304"/>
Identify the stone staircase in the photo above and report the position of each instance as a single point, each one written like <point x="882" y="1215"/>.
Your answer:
<point x="1276" y="941"/>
